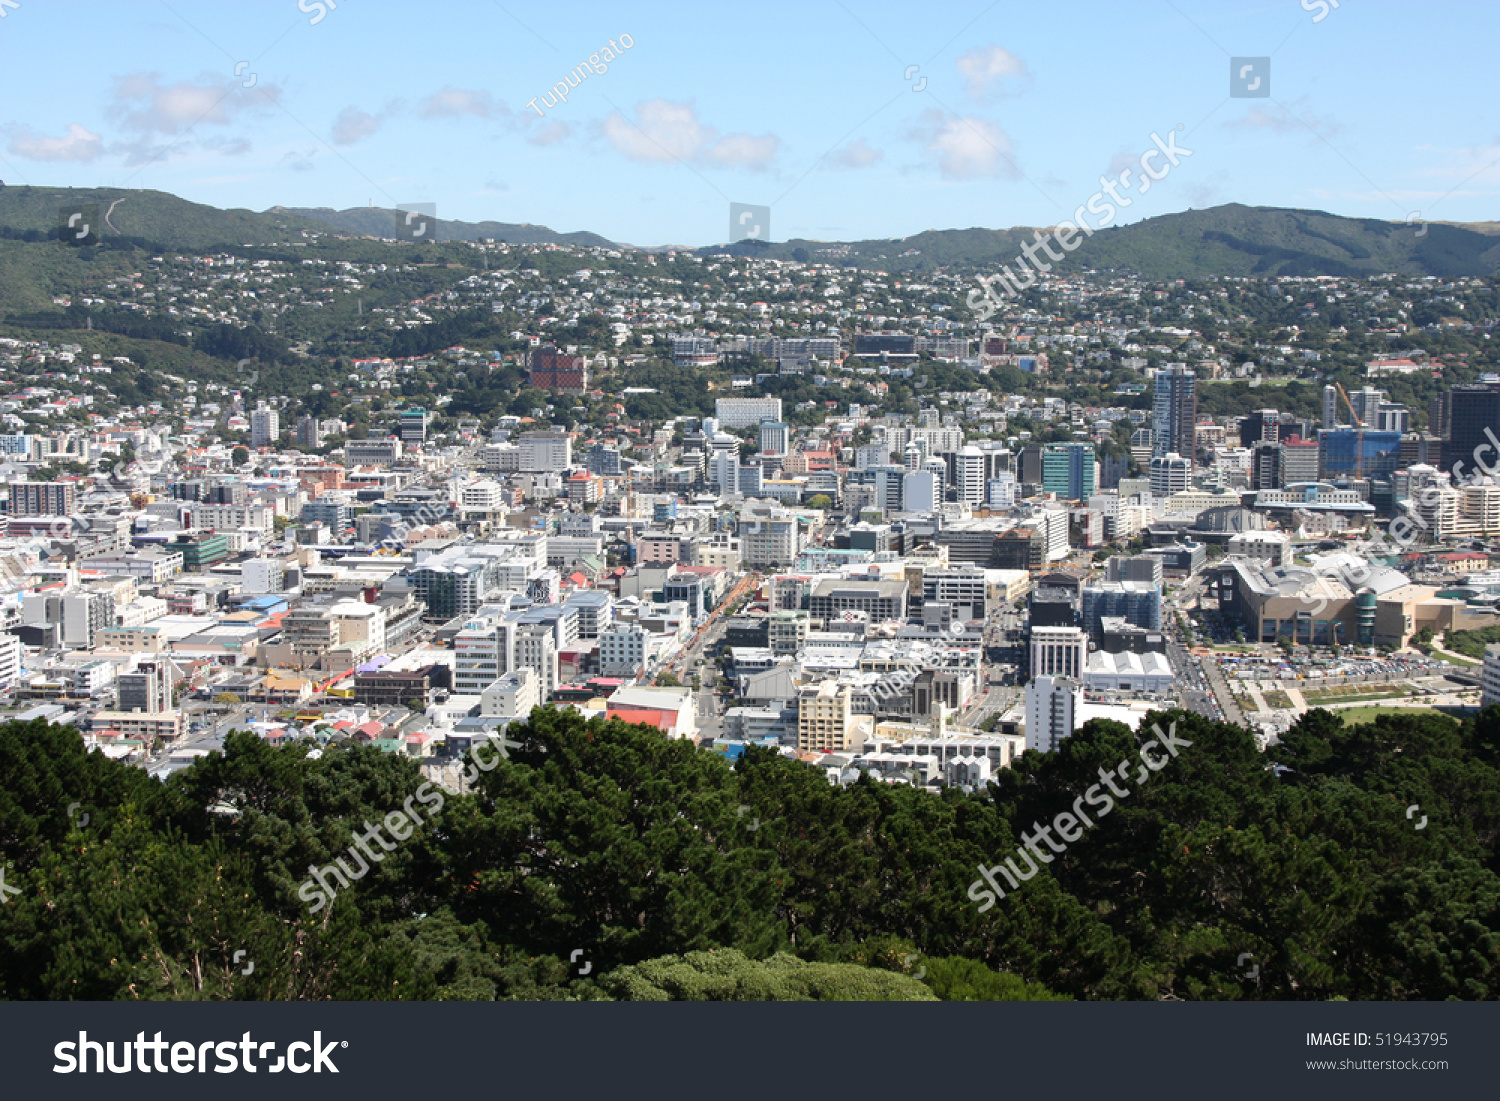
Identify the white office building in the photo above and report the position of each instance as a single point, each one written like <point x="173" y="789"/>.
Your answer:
<point x="1170" y="473"/>
<point x="513" y="696"/>
<point x="920" y="492"/>
<point x="746" y="412"/>
<point x="970" y="475"/>
<point x="775" y="437"/>
<point x="622" y="650"/>
<point x="1052" y="706"/>
<point x="544" y="452"/>
<point x="1058" y="651"/>
<point x="263" y="575"/>
<point x="265" y="427"/>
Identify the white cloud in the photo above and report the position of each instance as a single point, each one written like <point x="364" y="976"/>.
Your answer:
<point x="457" y="102"/>
<point x="144" y="105"/>
<point x="988" y="70"/>
<point x="352" y="124"/>
<point x="967" y="148"/>
<point x="664" y="131"/>
<point x="857" y="154"/>
<point x="744" y="151"/>
<point x="661" y="131"/>
<point x="1295" y="119"/>
<point x="551" y="132"/>
<point x="79" y="144"/>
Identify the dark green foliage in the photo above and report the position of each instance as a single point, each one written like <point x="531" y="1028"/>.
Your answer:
<point x="603" y="860"/>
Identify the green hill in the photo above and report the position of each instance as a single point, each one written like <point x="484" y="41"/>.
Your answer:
<point x="381" y="222"/>
<point x="154" y="216"/>
<point x="1224" y="240"/>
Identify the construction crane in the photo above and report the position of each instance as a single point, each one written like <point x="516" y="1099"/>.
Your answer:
<point x="1359" y="433"/>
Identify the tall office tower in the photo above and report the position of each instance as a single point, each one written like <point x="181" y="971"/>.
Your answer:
<point x="970" y="475"/>
<point x="1058" y="651"/>
<point x="1262" y="425"/>
<point x="1473" y="412"/>
<point x="1439" y="414"/>
<point x="309" y="433"/>
<point x="1366" y="402"/>
<point x="1174" y="412"/>
<point x="1299" y="462"/>
<point x="1052" y="706"/>
<point x="724" y="465"/>
<point x="775" y="437"/>
<point x="1069" y="470"/>
<point x="1330" y="406"/>
<point x="265" y="427"/>
<point x="939" y="470"/>
<point x="1265" y="465"/>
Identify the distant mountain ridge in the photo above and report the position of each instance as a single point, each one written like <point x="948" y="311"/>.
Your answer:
<point x="1225" y="240"/>
<point x="381" y="222"/>
<point x="1229" y="240"/>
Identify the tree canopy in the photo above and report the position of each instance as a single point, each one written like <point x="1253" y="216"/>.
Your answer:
<point x="1295" y="873"/>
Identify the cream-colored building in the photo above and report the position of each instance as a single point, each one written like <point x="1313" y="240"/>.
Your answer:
<point x="826" y="722"/>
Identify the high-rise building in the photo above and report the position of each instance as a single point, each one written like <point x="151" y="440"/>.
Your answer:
<point x="1265" y="465"/>
<point x="545" y="452"/>
<point x="1439" y="413"/>
<point x="1058" y="651"/>
<point x="1473" y="425"/>
<point x="1259" y="426"/>
<point x="147" y="688"/>
<point x="1139" y="603"/>
<point x="1299" y="462"/>
<point x="309" y="432"/>
<point x="413" y="426"/>
<point x="1357" y="452"/>
<point x="919" y="492"/>
<point x="1069" y="470"/>
<point x="554" y="370"/>
<point x="1330" y="406"/>
<point x="775" y="437"/>
<point x="265" y="427"/>
<point x="825" y="719"/>
<point x="1170" y="473"/>
<point x="724" y="465"/>
<point x="768" y="536"/>
<point x="1174" y="412"/>
<point x="969" y="473"/>
<point x="746" y="412"/>
<point x="1052" y="707"/>
<point x="43" y="498"/>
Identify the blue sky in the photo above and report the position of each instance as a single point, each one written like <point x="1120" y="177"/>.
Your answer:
<point x="1010" y="117"/>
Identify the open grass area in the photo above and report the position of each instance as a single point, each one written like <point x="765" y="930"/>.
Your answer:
<point x="1278" y="700"/>
<point x="1456" y="659"/>
<point x="1353" y="716"/>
